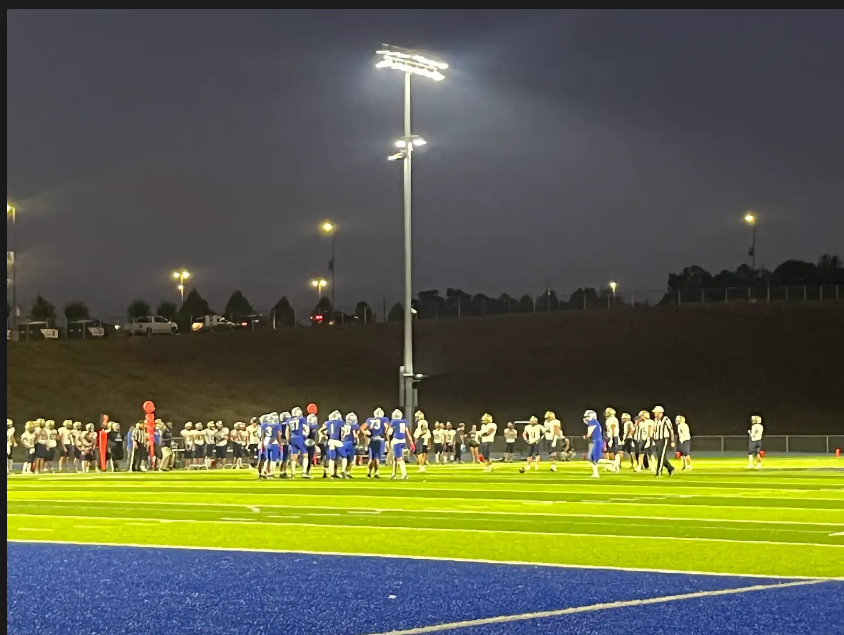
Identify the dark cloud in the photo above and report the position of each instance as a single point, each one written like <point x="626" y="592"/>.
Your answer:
<point x="570" y="147"/>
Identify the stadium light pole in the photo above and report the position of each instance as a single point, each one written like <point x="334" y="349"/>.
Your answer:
<point x="181" y="276"/>
<point x="750" y="219"/>
<point x="12" y="260"/>
<point x="613" y="287"/>
<point x="410" y="63"/>
<point x="330" y="229"/>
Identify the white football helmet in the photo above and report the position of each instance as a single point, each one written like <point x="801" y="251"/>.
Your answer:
<point x="296" y="412"/>
<point x="378" y="413"/>
<point x="590" y="415"/>
<point x="351" y="418"/>
<point x="397" y="414"/>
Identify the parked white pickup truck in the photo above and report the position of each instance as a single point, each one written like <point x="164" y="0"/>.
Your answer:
<point x="150" y="325"/>
<point x="209" y="323"/>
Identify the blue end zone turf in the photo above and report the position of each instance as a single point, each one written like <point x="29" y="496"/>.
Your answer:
<point x="80" y="590"/>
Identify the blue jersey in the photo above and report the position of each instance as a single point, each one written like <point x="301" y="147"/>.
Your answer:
<point x="399" y="428"/>
<point x="348" y="432"/>
<point x="297" y="426"/>
<point x="377" y="426"/>
<point x="333" y="428"/>
<point x="597" y="436"/>
<point x="268" y="434"/>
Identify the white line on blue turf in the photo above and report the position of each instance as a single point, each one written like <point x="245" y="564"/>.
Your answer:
<point x="452" y="529"/>
<point x="388" y="556"/>
<point x="506" y="619"/>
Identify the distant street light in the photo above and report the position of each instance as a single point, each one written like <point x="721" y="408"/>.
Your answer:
<point x="613" y="287"/>
<point x="410" y="63"/>
<point x="319" y="284"/>
<point x="11" y="262"/>
<point x="181" y="276"/>
<point x="750" y="219"/>
<point x="330" y="229"/>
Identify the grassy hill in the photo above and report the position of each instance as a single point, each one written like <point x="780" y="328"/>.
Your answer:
<point x="716" y="365"/>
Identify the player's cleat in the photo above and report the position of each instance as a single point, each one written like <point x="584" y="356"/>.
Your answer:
<point x="376" y="476"/>
<point x="307" y="476"/>
<point x="521" y="470"/>
<point x="369" y="476"/>
<point x="347" y="475"/>
<point x="553" y="468"/>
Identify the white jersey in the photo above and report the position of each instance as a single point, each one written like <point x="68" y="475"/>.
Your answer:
<point x="253" y="434"/>
<point x="533" y="432"/>
<point x="65" y="436"/>
<point x="756" y="432"/>
<point x="438" y="435"/>
<point x="10" y="439"/>
<point x="683" y="433"/>
<point x="629" y="429"/>
<point x="221" y="436"/>
<point x="612" y="428"/>
<point x="488" y="431"/>
<point x="553" y="430"/>
<point x="28" y="440"/>
<point x="187" y="438"/>
<point x="449" y="436"/>
<point x="510" y="435"/>
<point x="198" y="437"/>
<point x="52" y="438"/>
<point x="210" y="436"/>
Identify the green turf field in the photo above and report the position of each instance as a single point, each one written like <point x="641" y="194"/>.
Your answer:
<point x="786" y="520"/>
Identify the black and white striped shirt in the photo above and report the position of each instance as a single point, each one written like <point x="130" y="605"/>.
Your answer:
<point x="663" y="429"/>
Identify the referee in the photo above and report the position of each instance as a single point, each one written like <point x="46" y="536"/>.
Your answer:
<point x="663" y="436"/>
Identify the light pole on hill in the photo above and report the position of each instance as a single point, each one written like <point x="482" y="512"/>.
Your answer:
<point x="613" y="287"/>
<point x="330" y="229"/>
<point x="181" y="276"/>
<point x="750" y="219"/>
<point x="11" y="262"/>
<point x="410" y="63"/>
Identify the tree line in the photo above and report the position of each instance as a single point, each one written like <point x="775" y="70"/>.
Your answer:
<point x="457" y="303"/>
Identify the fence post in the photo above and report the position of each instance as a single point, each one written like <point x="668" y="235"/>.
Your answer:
<point x="786" y="444"/>
<point x="385" y="310"/>
<point x="702" y="296"/>
<point x="804" y="293"/>
<point x="273" y="316"/>
<point x="821" y="293"/>
<point x="459" y="308"/>
<point x="786" y="294"/>
<point x="722" y="445"/>
<point x="769" y="295"/>
<point x="365" y="313"/>
<point x="727" y="295"/>
<point x="827" y="444"/>
<point x="749" y="294"/>
<point x="295" y="319"/>
<point x="679" y="298"/>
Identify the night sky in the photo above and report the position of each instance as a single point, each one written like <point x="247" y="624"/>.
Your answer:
<point x="574" y="147"/>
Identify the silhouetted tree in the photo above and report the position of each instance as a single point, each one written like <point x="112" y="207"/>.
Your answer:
<point x="138" y="308"/>
<point x="42" y="310"/>
<point x="525" y="304"/>
<point x="283" y="313"/>
<point x="396" y="314"/>
<point x="459" y="303"/>
<point x="430" y="305"/>
<point x="238" y="305"/>
<point x="167" y="309"/>
<point x="76" y="310"/>
<point x="194" y="306"/>
<point x="506" y="304"/>
<point x="364" y="313"/>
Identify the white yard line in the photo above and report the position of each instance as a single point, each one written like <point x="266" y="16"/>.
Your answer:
<point x="133" y="504"/>
<point x="507" y="619"/>
<point x="520" y="563"/>
<point x="463" y="530"/>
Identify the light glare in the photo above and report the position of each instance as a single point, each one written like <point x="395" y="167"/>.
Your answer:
<point x="410" y="62"/>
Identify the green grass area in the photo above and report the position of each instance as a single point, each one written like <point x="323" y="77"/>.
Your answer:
<point x="787" y="519"/>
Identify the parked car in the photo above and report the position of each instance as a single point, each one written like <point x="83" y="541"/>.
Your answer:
<point x="251" y="322"/>
<point x="211" y="323"/>
<point x="88" y="329"/>
<point x="150" y="325"/>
